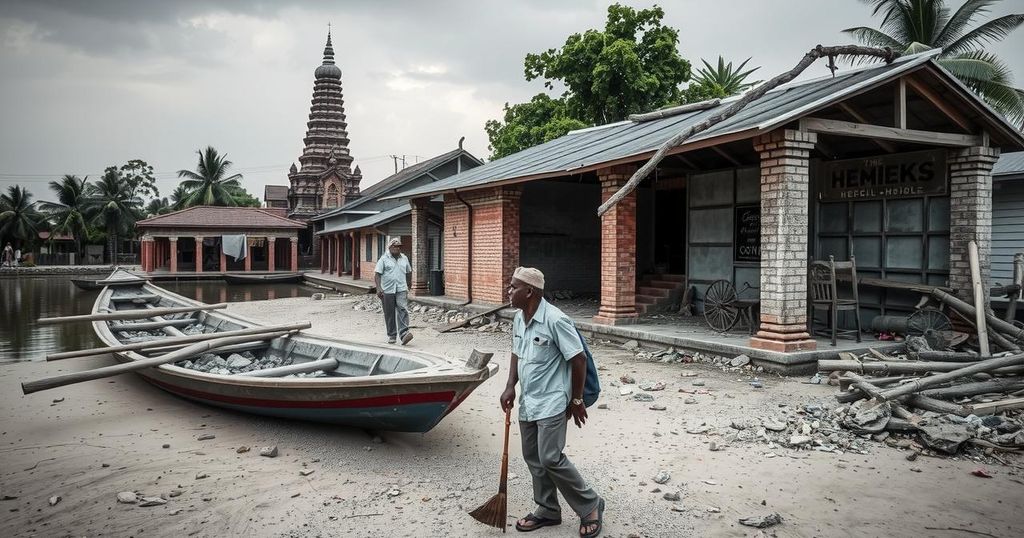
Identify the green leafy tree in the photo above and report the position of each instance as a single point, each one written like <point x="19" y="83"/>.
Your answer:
<point x="138" y="178"/>
<point x="112" y="207"/>
<point x="67" y="215"/>
<point x="20" y="222"/>
<point x="178" y="197"/>
<point x="632" y="65"/>
<point x="210" y="184"/>
<point x="912" y="26"/>
<point x="244" y="199"/>
<point x="528" y="124"/>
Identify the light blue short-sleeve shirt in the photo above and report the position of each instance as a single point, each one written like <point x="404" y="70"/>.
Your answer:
<point x="544" y="347"/>
<point x="392" y="273"/>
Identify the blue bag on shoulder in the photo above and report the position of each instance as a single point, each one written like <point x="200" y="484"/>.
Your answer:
<point x="592" y="385"/>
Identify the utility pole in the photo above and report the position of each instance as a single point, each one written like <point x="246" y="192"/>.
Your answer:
<point x="395" y="158"/>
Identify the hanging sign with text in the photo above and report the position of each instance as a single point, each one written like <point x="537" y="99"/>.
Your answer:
<point x="748" y="233"/>
<point x="907" y="175"/>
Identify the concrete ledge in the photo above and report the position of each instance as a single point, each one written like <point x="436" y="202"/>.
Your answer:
<point x="348" y="285"/>
<point x="64" y="270"/>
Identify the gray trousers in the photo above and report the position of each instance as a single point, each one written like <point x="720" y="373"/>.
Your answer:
<point x="543" y="442"/>
<point x="396" y="312"/>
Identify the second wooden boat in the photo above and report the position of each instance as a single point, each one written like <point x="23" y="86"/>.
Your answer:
<point x="272" y="278"/>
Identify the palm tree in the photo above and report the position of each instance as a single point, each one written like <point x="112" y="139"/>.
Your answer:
<point x="208" y="184"/>
<point x="912" y="26"/>
<point x="157" y="206"/>
<point x="67" y="214"/>
<point x="111" y="206"/>
<point x="19" y="219"/>
<point x="178" y="198"/>
<point x="731" y="81"/>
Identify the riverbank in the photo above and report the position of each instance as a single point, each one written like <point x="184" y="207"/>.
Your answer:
<point x="87" y="443"/>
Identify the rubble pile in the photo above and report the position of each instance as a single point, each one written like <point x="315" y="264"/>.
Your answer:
<point x="440" y="316"/>
<point x="944" y="401"/>
<point x="237" y="363"/>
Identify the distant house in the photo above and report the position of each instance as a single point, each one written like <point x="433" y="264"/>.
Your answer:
<point x="354" y="236"/>
<point x="1007" y="215"/>
<point x="275" y="196"/>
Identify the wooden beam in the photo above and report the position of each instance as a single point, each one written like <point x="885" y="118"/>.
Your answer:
<point x="727" y="157"/>
<point x="855" y="114"/>
<point x="924" y="91"/>
<point x="900" y="104"/>
<point x="863" y="130"/>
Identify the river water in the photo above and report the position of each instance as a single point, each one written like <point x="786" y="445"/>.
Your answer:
<point x="25" y="299"/>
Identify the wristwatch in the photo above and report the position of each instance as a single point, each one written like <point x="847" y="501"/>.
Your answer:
<point x="577" y="401"/>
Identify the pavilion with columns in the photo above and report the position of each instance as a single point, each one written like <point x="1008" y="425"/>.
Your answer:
<point x="191" y="240"/>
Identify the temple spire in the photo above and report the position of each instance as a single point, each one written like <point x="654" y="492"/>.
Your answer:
<point x="329" y="49"/>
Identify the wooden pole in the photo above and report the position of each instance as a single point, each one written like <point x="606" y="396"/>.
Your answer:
<point x="165" y="342"/>
<point x="132" y="314"/>
<point x="1016" y="333"/>
<point x="911" y="367"/>
<point x="301" y="368"/>
<point x="979" y="299"/>
<point x="107" y="371"/>
<point x="920" y="384"/>
<point x="1018" y="280"/>
<point x="973" y="389"/>
<point x="147" y="325"/>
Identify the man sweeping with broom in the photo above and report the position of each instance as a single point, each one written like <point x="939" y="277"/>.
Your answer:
<point x="550" y="365"/>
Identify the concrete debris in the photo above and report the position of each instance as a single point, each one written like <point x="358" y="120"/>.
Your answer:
<point x="54" y="500"/>
<point x="671" y="496"/>
<point x="627" y="379"/>
<point x="206" y="437"/>
<point x="127" y="497"/>
<point x="643" y="397"/>
<point x="762" y="522"/>
<point x="657" y="407"/>
<point x="652" y="386"/>
<point x="662" y="477"/>
<point x="201" y="475"/>
<point x="152" y="501"/>
<point x="739" y="360"/>
<point x="625" y="391"/>
<point x="269" y="451"/>
<point x="242" y="449"/>
<point x="631" y="345"/>
<point x="306" y="472"/>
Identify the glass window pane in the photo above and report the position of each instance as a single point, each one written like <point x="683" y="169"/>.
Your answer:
<point x="832" y="246"/>
<point x="832" y="218"/>
<point x="904" y="215"/>
<point x="938" y="253"/>
<point x="938" y="214"/>
<point x="904" y="253"/>
<point x="867" y="216"/>
<point x="868" y="251"/>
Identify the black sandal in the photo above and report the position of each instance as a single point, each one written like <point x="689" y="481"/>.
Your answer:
<point x="589" y="522"/>
<point x="538" y="522"/>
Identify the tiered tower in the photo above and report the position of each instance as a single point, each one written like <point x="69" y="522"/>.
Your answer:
<point x="325" y="178"/>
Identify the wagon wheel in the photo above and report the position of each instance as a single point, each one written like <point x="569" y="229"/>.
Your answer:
<point x="720" y="310"/>
<point x="933" y="325"/>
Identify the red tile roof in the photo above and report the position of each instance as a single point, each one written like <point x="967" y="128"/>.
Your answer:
<point x="220" y="217"/>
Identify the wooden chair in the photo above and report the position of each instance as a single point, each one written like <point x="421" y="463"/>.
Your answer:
<point x="825" y="294"/>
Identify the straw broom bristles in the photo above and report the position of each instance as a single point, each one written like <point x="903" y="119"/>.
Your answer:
<point x="494" y="512"/>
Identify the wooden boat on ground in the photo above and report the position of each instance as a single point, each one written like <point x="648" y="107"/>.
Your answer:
<point x="270" y="278"/>
<point x="117" y="278"/>
<point x="286" y="374"/>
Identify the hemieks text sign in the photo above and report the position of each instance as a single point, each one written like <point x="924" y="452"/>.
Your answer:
<point x="907" y="175"/>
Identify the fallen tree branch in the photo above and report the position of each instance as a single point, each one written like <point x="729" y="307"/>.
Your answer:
<point x="812" y="55"/>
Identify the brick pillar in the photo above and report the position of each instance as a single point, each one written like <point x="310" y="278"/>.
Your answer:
<point x="785" y="155"/>
<point x="295" y="253"/>
<point x="248" y="256"/>
<point x="420" y="247"/>
<point x="618" y="250"/>
<point x="355" y="255"/>
<point x="271" y="252"/>
<point x="147" y="254"/>
<point x="199" y="254"/>
<point x="223" y="260"/>
<point x="174" y="254"/>
<point x="970" y="219"/>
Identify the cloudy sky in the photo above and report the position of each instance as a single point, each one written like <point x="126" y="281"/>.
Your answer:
<point x="89" y="84"/>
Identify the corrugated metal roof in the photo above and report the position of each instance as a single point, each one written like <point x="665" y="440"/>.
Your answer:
<point x="383" y="217"/>
<point x="1009" y="164"/>
<point x="588" y="148"/>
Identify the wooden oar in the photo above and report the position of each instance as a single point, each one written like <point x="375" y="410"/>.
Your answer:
<point x="301" y="368"/>
<point x="108" y="371"/>
<point x="132" y="314"/>
<point x="167" y="342"/>
<point x="147" y="325"/>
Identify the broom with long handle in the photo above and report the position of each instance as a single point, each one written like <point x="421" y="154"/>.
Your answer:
<point x="495" y="511"/>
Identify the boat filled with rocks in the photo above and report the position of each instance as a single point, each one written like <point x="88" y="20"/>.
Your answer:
<point x="201" y="352"/>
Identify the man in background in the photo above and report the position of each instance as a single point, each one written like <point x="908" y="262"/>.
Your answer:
<point x="393" y="277"/>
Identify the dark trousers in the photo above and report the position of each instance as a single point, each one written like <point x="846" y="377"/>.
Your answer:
<point x="396" y="313"/>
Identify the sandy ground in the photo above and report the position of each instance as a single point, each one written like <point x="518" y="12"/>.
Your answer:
<point x="106" y="437"/>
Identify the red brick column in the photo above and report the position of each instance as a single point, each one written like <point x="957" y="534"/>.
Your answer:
<point x="147" y="254"/>
<point x="199" y="254"/>
<point x="420" y="247"/>
<point x="223" y="260"/>
<point x="271" y="252"/>
<point x="785" y="155"/>
<point x="294" y="254"/>
<point x="174" y="254"/>
<point x="618" y="250"/>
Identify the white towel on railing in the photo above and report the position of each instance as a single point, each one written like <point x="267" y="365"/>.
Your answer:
<point x="234" y="246"/>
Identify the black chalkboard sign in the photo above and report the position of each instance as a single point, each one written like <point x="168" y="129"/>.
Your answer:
<point x="748" y="233"/>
